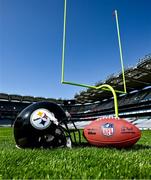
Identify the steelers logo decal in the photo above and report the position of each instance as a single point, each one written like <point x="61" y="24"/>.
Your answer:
<point x="42" y="118"/>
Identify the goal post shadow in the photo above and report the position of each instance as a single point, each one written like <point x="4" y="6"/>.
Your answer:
<point x="105" y="87"/>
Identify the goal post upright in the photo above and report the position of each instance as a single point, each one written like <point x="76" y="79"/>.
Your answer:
<point x="105" y="87"/>
<point x="120" y="50"/>
<point x="64" y="40"/>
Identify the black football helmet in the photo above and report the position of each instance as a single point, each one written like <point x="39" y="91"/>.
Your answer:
<point x="44" y="125"/>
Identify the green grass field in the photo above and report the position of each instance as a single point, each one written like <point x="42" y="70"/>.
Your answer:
<point x="75" y="163"/>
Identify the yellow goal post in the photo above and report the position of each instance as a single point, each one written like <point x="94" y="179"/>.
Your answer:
<point x="105" y="87"/>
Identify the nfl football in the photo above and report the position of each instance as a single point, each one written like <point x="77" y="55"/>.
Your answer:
<point x="112" y="132"/>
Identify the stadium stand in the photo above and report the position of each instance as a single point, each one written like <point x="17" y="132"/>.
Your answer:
<point x="27" y="99"/>
<point x="4" y="97"/>
<point x="38" y="99"/>
<point x="91" y="104"/>
<point x="137" y="78"/>
<point x="15" y="97"/>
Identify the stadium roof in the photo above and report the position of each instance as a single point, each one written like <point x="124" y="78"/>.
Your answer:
<point x="137" y="77"/>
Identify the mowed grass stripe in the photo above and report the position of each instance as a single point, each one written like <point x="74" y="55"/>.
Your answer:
<point x="75" y="163"/>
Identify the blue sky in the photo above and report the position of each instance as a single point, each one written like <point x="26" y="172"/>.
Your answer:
<point x="31" y="43"/>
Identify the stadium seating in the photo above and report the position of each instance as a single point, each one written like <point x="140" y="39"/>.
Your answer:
<point x="4" y="97"/>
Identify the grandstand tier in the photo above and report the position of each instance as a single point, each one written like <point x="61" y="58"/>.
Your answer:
<point x="15" y="97"/>
<point x="4" y="96"/>
<point x="27" y="99"/>
<point x="137" y="78"/>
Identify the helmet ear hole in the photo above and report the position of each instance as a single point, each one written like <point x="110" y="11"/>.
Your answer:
<point x="49" y="138"/>
<point x="53" y="140"/>
<point x="58" y="131"/>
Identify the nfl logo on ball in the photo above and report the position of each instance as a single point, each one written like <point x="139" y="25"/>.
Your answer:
<point x="108" y="129"/>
